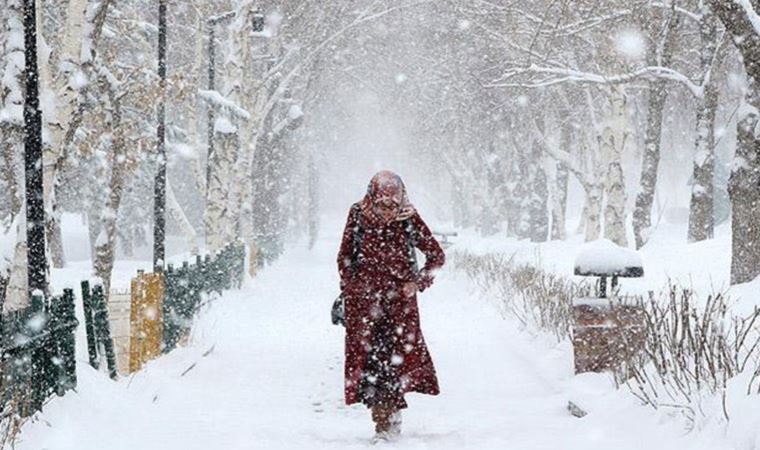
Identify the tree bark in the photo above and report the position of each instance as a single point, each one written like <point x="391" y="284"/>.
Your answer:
<point x="216" y="218"/>
<point x="559" y="197"/>
<point x="614" y="139"/>
<point x="593" y="211"/>
<point x="105" y="244"/>
<point x="745" y="200"/>
<point x="701" y="221"/>
<point x="743" y="185"/>
<point x="175" y="211"/>
<point x="659" y="53"/>
<point x="642" y="213"/>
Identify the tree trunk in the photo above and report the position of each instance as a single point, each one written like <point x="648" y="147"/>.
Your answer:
<point x="743" y="191"/>
<point x="105" y="244"/>
<point x="559" y="192"/>
<point x="538" y="198"/>
<point x="58" y="124"/>
<point x="176" y="212"/>
<point x="701" y="222"/>
<point x="217" y="221"/>
<point x="513" y="186"/>
<point x="16" y="289"/>
<point x="593" y="211"/>
<point x="642" y="214"/>
<point x="745" y="200"/>
<point x="613" y="143"/>
<point x="660" y="48"/>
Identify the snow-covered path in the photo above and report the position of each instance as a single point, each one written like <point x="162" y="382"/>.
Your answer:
<point x="264" y="371"/>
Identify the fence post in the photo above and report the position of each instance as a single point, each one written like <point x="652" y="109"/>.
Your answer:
<point x="208" y="274"/>
<point x="92" y="350"/>
<point x="103" y="329"/>
<point x="68" y="342"/>
<point x="169" y="309"/>
<point x="36" y="324"/>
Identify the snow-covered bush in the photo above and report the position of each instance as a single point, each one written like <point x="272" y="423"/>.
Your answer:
<point x="538" y="299"/>
<point x="692" y="352"/>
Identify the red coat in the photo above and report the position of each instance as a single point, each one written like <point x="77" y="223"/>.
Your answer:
<point x="383" y="269"/>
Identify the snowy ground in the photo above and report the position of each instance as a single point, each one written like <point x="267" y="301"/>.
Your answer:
<point x="271" y="378"/>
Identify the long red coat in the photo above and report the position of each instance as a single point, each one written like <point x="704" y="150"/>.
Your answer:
<point x="383" y="269"/>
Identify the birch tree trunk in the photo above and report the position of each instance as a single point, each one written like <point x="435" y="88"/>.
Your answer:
<point x="217" y="221"/>
<point x="58" y="124"/>
<point x="175" y="211"/>
<point x="593" y="211"/>
<point x="16" y="291"/>
<point x="11" y="116"/>
<point x="105" y="244"/>
<point x="613" y="143"/>
<point x="238" y="83"/>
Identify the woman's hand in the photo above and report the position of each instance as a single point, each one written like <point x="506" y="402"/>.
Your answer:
<point x="409" y="288"/>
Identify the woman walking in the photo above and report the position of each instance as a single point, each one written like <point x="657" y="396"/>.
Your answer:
<point x="386" y="355"/>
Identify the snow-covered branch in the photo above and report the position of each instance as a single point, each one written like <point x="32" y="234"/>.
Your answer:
<point x="217" y="100"/>
<point x="752" y="15"/>
<point x="570" y="75"/>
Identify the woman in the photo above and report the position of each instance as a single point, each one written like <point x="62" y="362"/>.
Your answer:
<point x="386" y="355"/>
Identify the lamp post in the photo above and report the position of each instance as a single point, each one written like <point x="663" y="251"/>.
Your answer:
<point x="35" y="212"/>
<point x="159" y="205"/>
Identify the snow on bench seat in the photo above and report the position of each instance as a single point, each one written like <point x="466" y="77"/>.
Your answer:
<point x="605" y="258"/>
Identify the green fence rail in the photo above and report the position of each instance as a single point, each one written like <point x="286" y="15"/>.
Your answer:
<point x="37" y="345"/>
<point x="37" y="353"/>
<point x="98" y="327"/>
<point x="187" y="285"/>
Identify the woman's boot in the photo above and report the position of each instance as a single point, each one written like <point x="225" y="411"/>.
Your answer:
<point x="394" y="421"/>
<point x="381" y="415"/>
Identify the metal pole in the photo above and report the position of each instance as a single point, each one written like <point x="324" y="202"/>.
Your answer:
<point x="35" y="212"/>
<point x="159" y="207"/>
<point x="210" y="109"/>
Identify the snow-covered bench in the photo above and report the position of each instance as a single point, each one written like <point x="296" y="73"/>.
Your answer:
<point x="603" y="259"/>
<point x="444" y="237"/>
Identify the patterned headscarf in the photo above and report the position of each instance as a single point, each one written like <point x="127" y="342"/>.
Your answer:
<point x="387" y="186"/>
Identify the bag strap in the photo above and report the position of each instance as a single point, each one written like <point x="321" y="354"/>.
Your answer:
<point x="357" y="238"/>
<point x="411" y="243"/>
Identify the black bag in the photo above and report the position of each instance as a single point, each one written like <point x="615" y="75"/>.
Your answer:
<point x="338" y="310"/>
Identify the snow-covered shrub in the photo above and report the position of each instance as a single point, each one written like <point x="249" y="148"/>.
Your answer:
<point x="692" y="351"/>
<point x="538" y="299"/>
